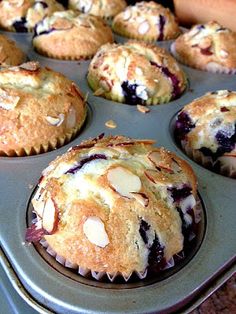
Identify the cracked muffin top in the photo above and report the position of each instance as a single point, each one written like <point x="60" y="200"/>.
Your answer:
<point x="115" y="204"/>
<point x="40" y="109"/>
<point x="147" y="21"/>
<point x="71" y="36"/>
<point x="208" y="47"/>
<point x="23" y="15"/>
<point x="136" y="73"/>
<point x="10" y="53"/>
<point x="103" y="8"/>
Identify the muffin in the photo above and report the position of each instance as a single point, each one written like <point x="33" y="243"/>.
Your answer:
<point x="209" y="47"/>
<point x="104" y="8"/>
<point x="206" y="129"/>
<point x="115" y="205"/>
<point x="22" y="15"/>
<point x="10" y="53"/>
<point x="136" y="73"/>
<point x="147" y="21"/>
<point x="69" y="36"/>
<point x="39" y="110"/>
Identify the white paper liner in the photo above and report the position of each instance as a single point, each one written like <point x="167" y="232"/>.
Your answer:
<point x="212" y="67"/>
<point x="227" y="163"/>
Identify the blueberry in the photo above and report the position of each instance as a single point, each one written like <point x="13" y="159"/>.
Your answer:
<point x="183" y="125"/>
<point x="144" y="227"/>
<point x="156" y="259"/>
<point x="129" y="91"/>
<point x="179" y="194"/>
<point x="175" y="81"/>
<point x="85" y="161"/>
<point x="20" y="26"/>
<point x="162" y="22"/>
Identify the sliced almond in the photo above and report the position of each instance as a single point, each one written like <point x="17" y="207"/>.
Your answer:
<point x="110" y="124"/>
<point x="143" y="28"/>
<point x="124" y="181"/>
<point x="126" y="15"/>
<point x="138" y="71"/>
<point x="143" y="109"/>
<point x="56" y="121"/>
<point x="94" y="230"/>
<point x="50" y="216"/>
<point x="30" y="66"/>
<point x="71" y="118"/>
<point x="141" y="198"/>
<point x="62" y="24"/>
<point x="8" y="102"/>
<point x="161" y="160"/>
<point x="99" y="92"/>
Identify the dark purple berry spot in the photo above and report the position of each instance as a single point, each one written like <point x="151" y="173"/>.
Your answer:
<point x="183" y="125"/>
<point x="20" y="26"/>
<point x="224" y="109"/>
<point x="156" y="258"/>
<point x="85" y="161"/>
<point x="33" y="234"/>
<point x="144" y="227"/>
<point x="129" y="91"/>
<point x="179" y="194"/>
<point x="161" y="24"/>
<point x="206" y="51"/>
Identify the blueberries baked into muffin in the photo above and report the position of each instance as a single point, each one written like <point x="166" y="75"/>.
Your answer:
<point x="136" y="73"/>
<point x="23" y="15"/>
<point x="115" y="206"/>
<point x="208" y="47"/>
<point x="206" y="129"/>
<point x="148" y="21"/>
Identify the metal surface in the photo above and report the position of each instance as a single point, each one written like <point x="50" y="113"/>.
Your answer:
<point x="63" y="294"/>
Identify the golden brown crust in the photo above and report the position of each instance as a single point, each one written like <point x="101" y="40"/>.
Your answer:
<point x="156" y="75"/>
<point x="147" y="21"/>
<point x="84" y="184"/>
<point x="28" y="125"/>
<point x="207" y="47"/>
<point x="26" y="12"/>
<point x="10" y="53"/>
<point x="103" y="8"/>
<point x="70" y="36"/>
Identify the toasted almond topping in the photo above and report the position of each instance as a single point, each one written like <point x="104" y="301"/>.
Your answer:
<point x="8" y="102"/>
<point x="56" y="121"/>
<point x="61" y="23"/>
<point x="223" y="53"/>
<point x="124" y="181"/>
<point x="141" y="198"/>
<point x="50" y="216"/>
<point x="99" y="92"/>
<point x="30" y="66"/>
<point x="143" y="109"/>
<point x="143" y="27"/>
<point x="138" y="71"/>
<point x="126" y="15"/>
<point x="71" y="118"/>
<point x="223" y="93"/>
<point x="111" y="124"/>
<point x="94" y="230"/>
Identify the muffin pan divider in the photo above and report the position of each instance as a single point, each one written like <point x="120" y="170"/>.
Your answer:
<point x="63" y="294"/>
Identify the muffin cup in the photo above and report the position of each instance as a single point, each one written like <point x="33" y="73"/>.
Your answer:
<point x="60" y="57"/>
<point x="225" y="165"/>
<point x="212" y="67"/>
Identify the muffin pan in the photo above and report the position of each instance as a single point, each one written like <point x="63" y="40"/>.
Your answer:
<point x="51" y="287"/>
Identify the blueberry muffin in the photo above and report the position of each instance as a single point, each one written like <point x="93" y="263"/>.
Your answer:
<point x="104" y="8"/>
<point x="22" y="15"/>
<point x="136" y="73"/>
<point x="206" y="129"/>
<point x="69" y="36"/>
<point x="115" y="205"/>
<point x="208" y="47"/>
<point x="40" y="110"/>
<point x="10" y="53"/>
<point x="147" y="21"/>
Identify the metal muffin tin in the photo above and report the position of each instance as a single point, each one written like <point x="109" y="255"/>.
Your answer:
<point x="45" y="285"/>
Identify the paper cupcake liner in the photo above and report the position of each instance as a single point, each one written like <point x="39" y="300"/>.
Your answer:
<point x="225" y="165"/>
<point x="127" y="34"/>
<point x="212" y="67"/>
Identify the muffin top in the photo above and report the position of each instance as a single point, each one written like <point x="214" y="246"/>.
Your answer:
<point x="69" y="35"/>
<point x="39" y="109"/>
<point x="136" y="73"/>
<point x="209" y="124"/>
<point x="115" y="204"/>
<point x="22" y="15"/>
<point x="147" y="21"/>
<point x="208" y="47"/>
<point x="102" y="8"/>
<point x="10" y="53"/>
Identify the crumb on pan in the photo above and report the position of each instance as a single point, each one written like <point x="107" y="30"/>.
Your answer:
<point x="110" y="124"/>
